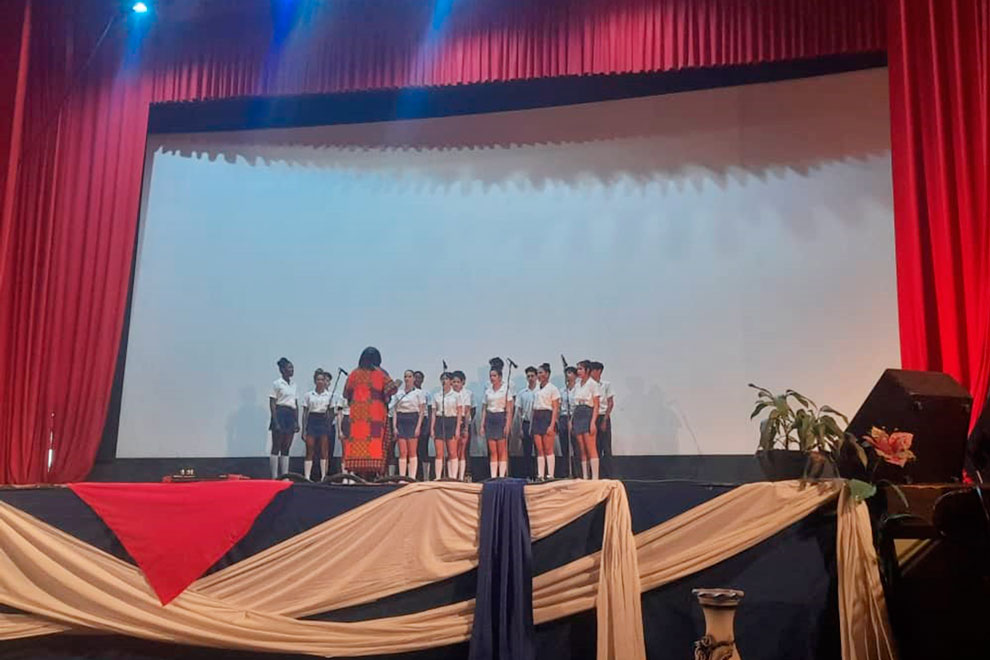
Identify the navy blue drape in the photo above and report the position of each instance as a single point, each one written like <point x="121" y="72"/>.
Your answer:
<point x="503" y="614"/>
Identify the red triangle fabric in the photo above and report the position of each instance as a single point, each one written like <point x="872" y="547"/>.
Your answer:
<point x="175" y="532"/>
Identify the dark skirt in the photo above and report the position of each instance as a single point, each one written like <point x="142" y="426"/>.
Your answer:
<point x="288" y="420"/>
<point x="444" y="427"/>
<point x="495" y="426"/>
<point x="541" y="422"/>
<point x="345" y="427"/>
<point x="581" y="420"/>
<point x="405" y="423"/>
<point x="318" y="424"/>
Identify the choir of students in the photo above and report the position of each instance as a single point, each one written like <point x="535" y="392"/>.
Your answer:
<point x="580" y="414"/>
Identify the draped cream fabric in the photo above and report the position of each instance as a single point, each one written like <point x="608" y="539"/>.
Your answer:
<point x="415" y="535"/>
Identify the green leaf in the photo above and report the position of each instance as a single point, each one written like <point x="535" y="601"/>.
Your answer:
<point x="800" y="398"/>
<point x="860" y="453"/>
<point x="861" y="490"/>
<point x="767" y="433"/>
<point x="762" y="390"/>
<point x="759" y="407"/>
<point x="830" y="409"/>
<point x="896" y="489"/>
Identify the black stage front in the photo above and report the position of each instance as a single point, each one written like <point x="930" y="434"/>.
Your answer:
<point x="790" y="609"/>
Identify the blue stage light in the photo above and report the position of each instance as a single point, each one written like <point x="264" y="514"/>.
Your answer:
<point x="139" y="8"/>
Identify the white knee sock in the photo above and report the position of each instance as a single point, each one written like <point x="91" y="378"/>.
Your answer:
<point x="503" y="468"/>
<point x="461" y="468"/>
<point x="324" y="466"/>
<point x="452" y="468"/>
<point x="283" y="464"/>
<point x="541" y="465"/>
<point x="413" y="466"/>
<point x="493" y="469"/>
<point x="438" y="468"/>
<point x="584" y="469"/>
<point x="551" y="464"/>
<point x="273" y="464"/>
<point x="307" y="468"/>
<point x="402" y="466"/>
<point x="594" y="468"/>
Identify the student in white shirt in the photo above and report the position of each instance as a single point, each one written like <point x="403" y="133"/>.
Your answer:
<point x="584" y="419"/>
<point x="605" y="406"/>
<point x="423" y="447"/>
<point x="496" y="419"/>
<point x="409" y="405"/>
<point x="284" y="408"/>
<point x="317" y="408"/>
<point x="568" y="443"/>
<point x="342" y="413"/>
<point x="445" y="426"/>
<point x="467" y="417"/>
<point x="524" y="410"/>
<point x="546" y="408"/>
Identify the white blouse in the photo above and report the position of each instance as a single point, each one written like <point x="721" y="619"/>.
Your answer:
<point x="545" y="396"/>
<point x="446" y="404"/>
<point x="408" y="401"/>
<point x="284" y="393"/>
<point x="341" y="404"/>
<point x="495" y="399"/>
<point x="584" y="394"/>
<point x="317" y="402"/>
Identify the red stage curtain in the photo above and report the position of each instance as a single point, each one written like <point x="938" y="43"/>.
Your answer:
<point x="65" y="267"/>
<point x="939" y="59"/>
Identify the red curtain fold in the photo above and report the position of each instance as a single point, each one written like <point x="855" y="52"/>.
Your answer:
<point x="65" y="267"/>
<point x="939" y="62"/>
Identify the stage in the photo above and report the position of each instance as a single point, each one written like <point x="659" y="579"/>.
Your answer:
<point x="787" y="566"/>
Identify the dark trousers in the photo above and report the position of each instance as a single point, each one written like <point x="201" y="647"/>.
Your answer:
<point x="604" y="442"/>
<point x="529" y="451"/>
<point x="423" y="447"/>
<point x="565" y="468"/>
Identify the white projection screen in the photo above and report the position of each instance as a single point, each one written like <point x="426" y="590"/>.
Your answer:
<point x="693" y="242"/>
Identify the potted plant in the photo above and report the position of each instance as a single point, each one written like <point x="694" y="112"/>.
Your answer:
<point x="798" y="438"/>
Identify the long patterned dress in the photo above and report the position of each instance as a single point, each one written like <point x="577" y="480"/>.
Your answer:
<point x="368" y="391"/>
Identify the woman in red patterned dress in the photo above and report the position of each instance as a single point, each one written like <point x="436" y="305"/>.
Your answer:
<point x="368" y="390"/>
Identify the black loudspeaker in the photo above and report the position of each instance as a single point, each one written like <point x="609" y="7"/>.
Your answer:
<point x="932" y="406"/>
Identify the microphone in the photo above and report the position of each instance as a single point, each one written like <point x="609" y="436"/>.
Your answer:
<point x="444" y="365"/>
<point x="514" y="365"/>
<point x="343" y="371"/>
<point x="564" y="360"/>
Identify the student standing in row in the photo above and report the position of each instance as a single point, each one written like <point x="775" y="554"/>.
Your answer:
<point x="568" y="443"/>
<point x="605" y="405"/>
<point x="496" y="419"/>
<point x="524" y="409"/>
<point x="423" y="447"/>
<point x="546" y="409"/>
<point x="466" y="404"/>
<point x="409" y="406"/>
<point x="445" y="425"/>
<point x="283" y="405"/>
<point x="584" y="419"/>
<point x="317" y="408"/>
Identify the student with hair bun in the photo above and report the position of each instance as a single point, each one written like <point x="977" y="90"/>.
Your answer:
<point x="283" y="405"/>
<point x="546" y="409"/>
<point x="496" y="419"/>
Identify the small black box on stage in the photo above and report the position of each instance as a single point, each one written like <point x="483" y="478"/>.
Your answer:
<point x="932" y="406"/>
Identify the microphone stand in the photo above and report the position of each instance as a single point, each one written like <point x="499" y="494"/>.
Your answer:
<point x="443" y="421"/>
<point x="570" y="445"/>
